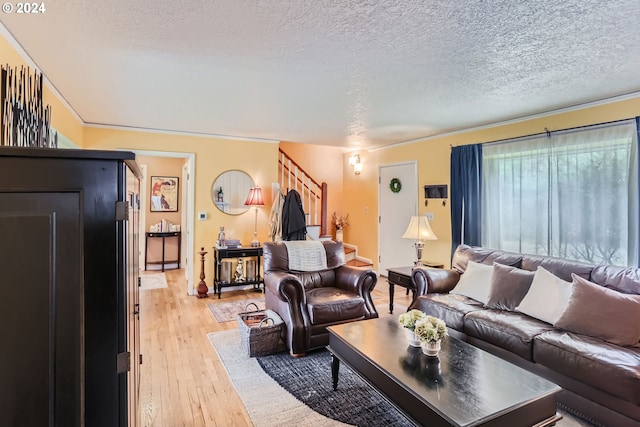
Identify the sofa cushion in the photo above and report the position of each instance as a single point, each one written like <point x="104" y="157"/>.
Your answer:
<point x="506" y="329"/>
<point x="559" y="267"/>
<point x="449" y="307"/>
<point x="333" y="305"/>
<point x="602" y="313"/>
<point x="509" y="285"/>
<point x="622" y="279"/>
<point x="466" y="253"/>
<point x="605" y="366"/>
<point x="475" y="282"/>
<point x="547" y="297"/>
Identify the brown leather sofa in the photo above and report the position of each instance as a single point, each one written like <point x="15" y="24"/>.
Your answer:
<point x="310" y="301"/>
<point x="600" y="380"/>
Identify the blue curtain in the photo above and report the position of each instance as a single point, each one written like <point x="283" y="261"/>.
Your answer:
<point x="466" y="182"/>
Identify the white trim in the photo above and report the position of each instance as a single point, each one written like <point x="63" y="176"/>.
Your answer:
<point x="416" y="207"/>
<point x="578" y="107"/>
<point x="142" y="239"/>
<point x="175" y="132"/>
<point x="190" y="207"/>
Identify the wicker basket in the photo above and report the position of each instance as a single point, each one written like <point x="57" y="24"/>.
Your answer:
<point x="259" y="331"/>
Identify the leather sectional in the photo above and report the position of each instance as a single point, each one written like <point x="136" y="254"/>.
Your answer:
<point x="600" y="379"/>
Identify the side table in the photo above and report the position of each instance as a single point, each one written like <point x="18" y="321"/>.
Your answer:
<point x="163" y="236"/>
<point x="401" y="276"/>
<point x="242" y="252"/>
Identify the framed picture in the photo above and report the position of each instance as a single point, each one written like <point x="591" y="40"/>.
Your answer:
<point x="164" y="194"/>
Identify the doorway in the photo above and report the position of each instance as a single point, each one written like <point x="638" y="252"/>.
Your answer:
<point x="396" y="208"/>
<point x="187" y="191"/>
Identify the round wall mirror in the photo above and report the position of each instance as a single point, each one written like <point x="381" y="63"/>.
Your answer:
<point x="230" y="190"/>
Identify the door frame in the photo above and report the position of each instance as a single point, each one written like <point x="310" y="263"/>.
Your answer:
<point x="414" y="211"/>
<point x="187" y="188"/>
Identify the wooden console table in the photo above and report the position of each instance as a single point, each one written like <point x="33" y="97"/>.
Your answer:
<point x="241" y="252"/>
<point x="163" y="236"/>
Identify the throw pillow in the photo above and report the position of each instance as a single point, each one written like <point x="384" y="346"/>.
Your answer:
<point x="509" y="285"/>
<point x="475" y="282"/>
<point x="547" y="297"/>
<point x="603" y="313"/>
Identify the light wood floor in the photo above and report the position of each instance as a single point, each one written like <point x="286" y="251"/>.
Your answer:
<point x="183" y="383"/>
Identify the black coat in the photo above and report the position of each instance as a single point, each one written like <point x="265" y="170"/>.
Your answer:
<point x="294" y="226"/>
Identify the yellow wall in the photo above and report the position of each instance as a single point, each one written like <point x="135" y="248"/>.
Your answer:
<point x="212" y="157"/>
<point x="62" y="119"/>
<point x="433" y="168"/>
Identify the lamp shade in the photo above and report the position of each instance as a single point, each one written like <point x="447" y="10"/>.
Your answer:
<point x="419" y="229"/>
<point x="255" y="197"/>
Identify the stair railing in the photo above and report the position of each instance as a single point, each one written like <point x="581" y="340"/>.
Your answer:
<point x="312" y="193"/>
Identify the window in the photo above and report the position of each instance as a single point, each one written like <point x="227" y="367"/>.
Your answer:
<point x="573" y="194"/>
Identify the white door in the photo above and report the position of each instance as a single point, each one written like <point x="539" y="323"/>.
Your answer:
<point x="396" y="210"/>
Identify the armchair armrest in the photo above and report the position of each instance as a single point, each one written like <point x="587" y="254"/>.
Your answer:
<point x="285" y="286"/>
<point x="434" y="280"/>
<point x="360" y="281"/>
<point x="355" y="279"/>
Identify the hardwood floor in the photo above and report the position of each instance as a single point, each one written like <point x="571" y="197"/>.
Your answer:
<point x="183" y="383"/>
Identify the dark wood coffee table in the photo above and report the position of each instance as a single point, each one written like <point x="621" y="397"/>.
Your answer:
<point x="463" y="386"/>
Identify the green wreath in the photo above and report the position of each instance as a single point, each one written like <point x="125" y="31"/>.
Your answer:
<point x="395" y="185"/>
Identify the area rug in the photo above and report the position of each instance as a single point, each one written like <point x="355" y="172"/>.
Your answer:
<point x="153" y="281"/>
<point x="267" y="404"/>
<point x="311" y="376"/>
<point x="228" y="310"/>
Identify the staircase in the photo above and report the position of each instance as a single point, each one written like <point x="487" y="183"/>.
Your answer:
<point x="313" y="194"/>
<point x="314" y="201"/>
<point x="352" y="258"/>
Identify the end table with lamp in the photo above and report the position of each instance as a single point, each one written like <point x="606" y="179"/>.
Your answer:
<point x="418" y="230"/>
<point x="401" y="276"/>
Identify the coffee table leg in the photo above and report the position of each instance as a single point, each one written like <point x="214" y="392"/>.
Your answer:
<point x="391" y="291"/>
<point x="335" y="367"/>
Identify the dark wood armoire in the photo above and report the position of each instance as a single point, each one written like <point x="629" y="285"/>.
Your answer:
<point x="69" y="322"/>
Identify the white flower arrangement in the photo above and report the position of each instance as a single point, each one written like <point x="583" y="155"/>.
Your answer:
<point x="409" y="319"/>
<point x="430" y="329"/>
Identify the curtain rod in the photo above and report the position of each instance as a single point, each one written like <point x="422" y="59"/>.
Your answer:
<point x="549" y="133"/>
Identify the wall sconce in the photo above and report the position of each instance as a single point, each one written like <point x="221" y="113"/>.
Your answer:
<point x="355" y="162"/>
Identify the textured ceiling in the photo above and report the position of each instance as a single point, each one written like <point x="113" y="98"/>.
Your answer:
<point x="350" y="73"/>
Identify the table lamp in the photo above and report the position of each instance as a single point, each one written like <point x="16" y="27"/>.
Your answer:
<point x="419" y="230"/>
<point x="255" y="199"/>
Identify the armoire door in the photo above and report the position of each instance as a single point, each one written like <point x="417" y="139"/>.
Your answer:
<point x="133" y="299"/>
<point x="41" y="309"/>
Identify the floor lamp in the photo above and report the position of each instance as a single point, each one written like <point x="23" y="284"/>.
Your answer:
<point x="419" y="230"/>
<point x="255" y="199"/>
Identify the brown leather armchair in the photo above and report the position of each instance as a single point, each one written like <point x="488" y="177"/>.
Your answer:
<point x="309" y="301"/>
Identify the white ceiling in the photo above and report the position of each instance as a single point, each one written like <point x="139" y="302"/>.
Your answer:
<point x="349" y="73"/>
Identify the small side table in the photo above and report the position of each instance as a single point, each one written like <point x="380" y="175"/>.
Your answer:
<point x="163" y="236"/>
<point x="242" y="252"/>
<point x="401" y="276"/>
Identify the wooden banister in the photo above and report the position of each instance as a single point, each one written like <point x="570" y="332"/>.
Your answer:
<point x="313" y="193"/>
